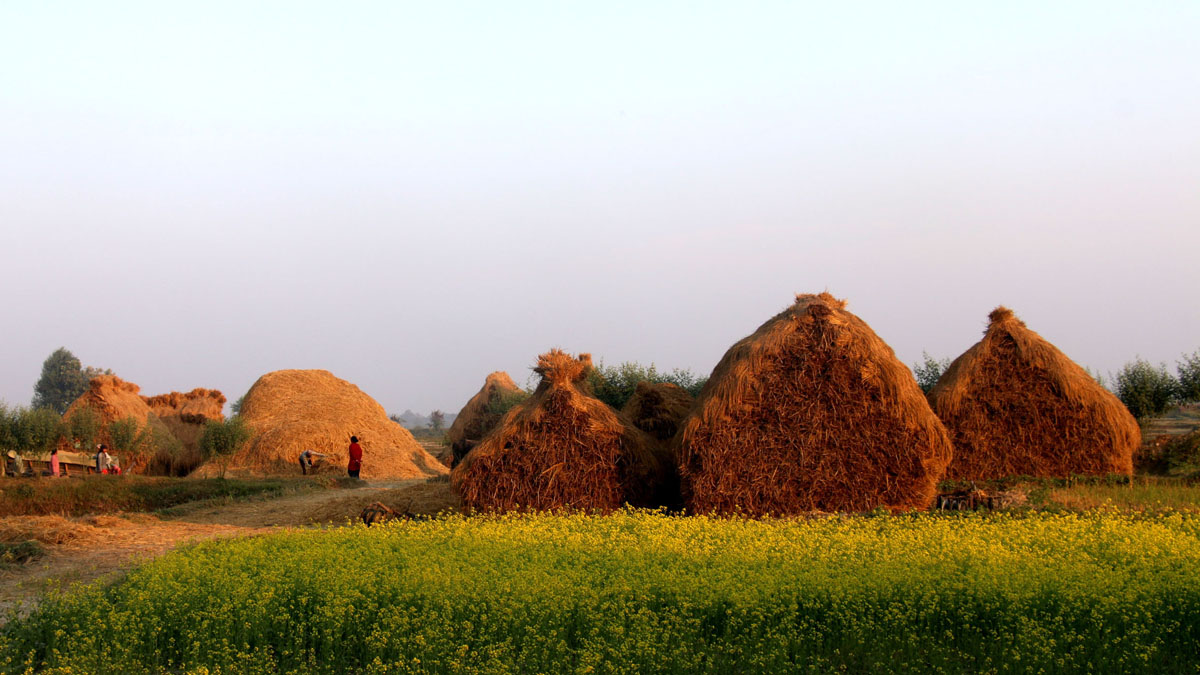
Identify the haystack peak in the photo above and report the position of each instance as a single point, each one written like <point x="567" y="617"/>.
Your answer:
<point x="559" y="367"/>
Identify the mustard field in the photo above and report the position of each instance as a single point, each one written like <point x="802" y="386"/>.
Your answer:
<point x="639" y="592"/>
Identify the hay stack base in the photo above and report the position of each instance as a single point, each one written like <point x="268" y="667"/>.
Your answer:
<point x="562" y="449"/>
<point x="812" y="412"/>
<point x="658" y="408"/>
<point x="293" y="410"/>
<point x="1017" y="406"/>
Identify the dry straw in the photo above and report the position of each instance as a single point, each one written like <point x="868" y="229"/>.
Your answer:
<point x="293" y="410"/>
<point x="563" y="448"/>
<point x="658" y="408"/>
<point x="1016" y="405"/>
<point x="195" y="407"/>
<point x="811" y="412"/>
<point x="476" y="419"/>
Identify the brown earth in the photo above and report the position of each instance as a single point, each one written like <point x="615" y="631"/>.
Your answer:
<point x="103" y="547"/>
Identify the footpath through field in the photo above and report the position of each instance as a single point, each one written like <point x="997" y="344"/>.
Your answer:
<point x="102" y="547"/>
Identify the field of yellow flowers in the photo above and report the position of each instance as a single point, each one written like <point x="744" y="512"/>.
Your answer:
<point x="639" y="592"/>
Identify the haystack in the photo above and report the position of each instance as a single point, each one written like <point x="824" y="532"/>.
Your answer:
<point x="563" y="448"/>
<point x="195" y="407"/>
<point x="658" y="408"/>
<point x="478" y="417"/>
<point x="812" y="412"/>
<point x="115" y="400"/>
<point x="1016" y="405"/>
<point x="293" y="410"/>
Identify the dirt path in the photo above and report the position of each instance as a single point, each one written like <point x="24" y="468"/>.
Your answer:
<point x="103" y="547"/>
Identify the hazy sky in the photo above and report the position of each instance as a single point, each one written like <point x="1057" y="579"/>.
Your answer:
<point x="412" y="195"/>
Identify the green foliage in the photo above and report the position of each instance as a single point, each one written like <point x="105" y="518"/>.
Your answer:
<point x="929" y="371"/>
<point x="222" y="439"/>
<point x="437" y="420"/>
<point x="62" y="381"/>
<point x="615" y="385"/>
<point x="1189" y="377"/>
<point x="126" y="437"/>
<point x="20" y="552"/>
<point x="1146" y="390"/>
<point x="35" y="430"/>
<point x="638" y="592"/>
<point x="83" y="426"/>
<point x="500" y="404"/>
<point x="236" y="407"/>
<point x="8" y="439"/>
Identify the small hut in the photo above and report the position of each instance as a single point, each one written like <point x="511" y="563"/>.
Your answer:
<point x="563" y="448"/>
<point x="1016" y="405"/>
<point x="658" y="408"/>
<point x="812" y="412"/>
<point x="481" y="414"/>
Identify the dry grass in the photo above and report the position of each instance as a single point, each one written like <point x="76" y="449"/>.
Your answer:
<point x="658" y="408"/>
<point x="293" y="410"/>
<point x="812" y="412"/>
<point x="563" y="448"/>
<point x="1016" y="405"/>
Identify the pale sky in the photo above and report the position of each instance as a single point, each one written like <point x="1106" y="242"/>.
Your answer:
<point x="412" y="195"/>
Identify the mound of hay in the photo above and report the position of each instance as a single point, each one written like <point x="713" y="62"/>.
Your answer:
<point x="113" y="399"/>
<point x="658" y="408"/>
<point x="562" y="448"/>
<point x="293" y="410"/>
<point x="195" y="407"/>
<point x="477" y="418"/>
<point x="1015" y="405"/>
<point x="812" y="412"/>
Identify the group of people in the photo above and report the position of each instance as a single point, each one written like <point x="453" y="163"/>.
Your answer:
<point x="353" y="466"/>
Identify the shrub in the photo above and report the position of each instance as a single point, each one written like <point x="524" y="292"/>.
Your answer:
<point x="222" y="439"/>
<point x="929" y="371"/>
<point x="1189" y="377"/>
<point x="615" y="385"/>
<point x="1146" y="390"/>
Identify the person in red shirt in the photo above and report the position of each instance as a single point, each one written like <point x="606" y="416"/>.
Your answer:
<point x="355" y="463"/>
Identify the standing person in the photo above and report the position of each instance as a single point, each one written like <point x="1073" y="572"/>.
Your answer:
<point x="306" y="461"/>
<point x="355" y="464"/>
<point x="55" y="467"/>
<point x="102" y="459"/>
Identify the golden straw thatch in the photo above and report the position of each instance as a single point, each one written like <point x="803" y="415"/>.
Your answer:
<point x="563" y="448"/>
<point x="1016" y="405"/>
<point x="293" y="410"/>
<point x="811" y="412"/>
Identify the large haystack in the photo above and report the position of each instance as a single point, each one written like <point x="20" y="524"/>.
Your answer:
<point x="563" y="448"/>
<point x="811" y="412"/>
<point x="115" y="400"/>
<point x="293" y="410"/>
<point x="1015" y="405"/>
<point x="195" y="407"/>
<point x="658" y="408"/>
<point x="478" y="417"/>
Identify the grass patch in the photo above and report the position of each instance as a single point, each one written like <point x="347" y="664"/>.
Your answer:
<point x="638" y="592"/>
<point x="84" y="495"/>
<point x="19" y="553"/>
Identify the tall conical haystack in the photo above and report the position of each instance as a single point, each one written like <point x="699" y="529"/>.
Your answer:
<point x="293" y="410"/>
<point x="1016" y="405"/>
<point x="563" y="448"/>
<point x="478" y="416"/>
<point x="658" y="408"/>
<point x="811" y="412"/>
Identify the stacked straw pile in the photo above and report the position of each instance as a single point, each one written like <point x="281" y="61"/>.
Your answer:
<point x="195" y="407"/>
<point x="1016" y="405"/>
<point x="293" y="410"/>
<point x="562" y="448"/>
<point x="658" y="408"/>
<point x="115" y="400"/>
<point x="476" y="419"/>
<point x="811" y="412"/>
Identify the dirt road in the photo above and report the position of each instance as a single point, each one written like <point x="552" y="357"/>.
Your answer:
<point x="104" y="547"/>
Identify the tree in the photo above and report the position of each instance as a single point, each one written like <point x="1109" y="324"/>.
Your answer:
<point x="1147" y="391"/>
<point x="1189" y="377"/>
<point x="437" y="419"/>
<point x="929" y="371"/>
<point x="61" y="381"/>
<point x="615" y="385"/>
<point x="221" y="439"/>
<point x="83" y="426"/>
<point x="236" y="407"/>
